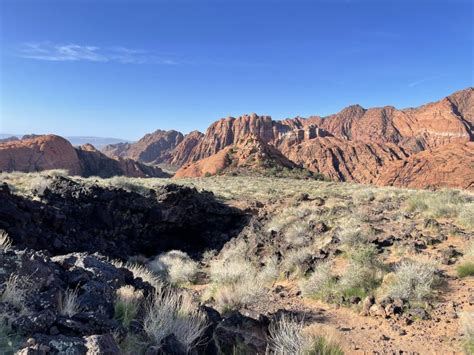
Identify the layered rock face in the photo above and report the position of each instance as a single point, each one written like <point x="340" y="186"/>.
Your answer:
<point x="152" y="148"/>
<point x="357" y="144"/>
<point x="250" y="153"/>
<point x="343" y="160"/>
<point x="48" y="152"/>
<point x="39" y="153"/>
<point x="449" y="166"/>
<point x="95" y="163"/>
<point x="181" y="153"/>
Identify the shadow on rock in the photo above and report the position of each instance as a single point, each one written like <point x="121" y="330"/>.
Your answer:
<point x="74" y="217"/>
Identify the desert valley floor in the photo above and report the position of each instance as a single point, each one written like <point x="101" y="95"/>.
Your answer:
<point x="362" y="269"/>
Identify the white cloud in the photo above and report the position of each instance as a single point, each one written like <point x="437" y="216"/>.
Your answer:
<point x="424" y="80"/>
<point x="75" y="52"/>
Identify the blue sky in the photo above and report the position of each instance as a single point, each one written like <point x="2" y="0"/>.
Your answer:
<point x="125" y="68"/>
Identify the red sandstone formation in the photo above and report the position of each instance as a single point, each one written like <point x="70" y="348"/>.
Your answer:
<point x="53" y="152"/>
<point x="39" y="153"/>
<point x="447" y="166"/>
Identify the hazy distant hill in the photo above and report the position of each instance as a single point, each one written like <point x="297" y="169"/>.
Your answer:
<point x="97" y="142"/>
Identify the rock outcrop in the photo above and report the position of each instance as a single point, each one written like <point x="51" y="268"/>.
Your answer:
<point x="250" y="153"/>
<point x="357" y="144"/>
<point x="180" y="154"/>
<point x="96" y="163"/>
<point x="152" y="148"/>
<point x="42" y="283"/>
<point x="72" y="216"/>
<point x="450" y="165"/>
<point x="344" y="160"/>
<point x="37" y="153"/>
<point x="9" y="139"/>
<point x="39" y="319"/>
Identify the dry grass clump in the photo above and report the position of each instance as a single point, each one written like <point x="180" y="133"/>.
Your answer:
<point x="175" y="266"/>
<point x="364" y="272"/>
<point x="238" y="295"/>
<point x="287" y="336"/>
<point x="235" y="284"/>
<point x="466" y="264"/>
<point x="170" y="312"/>
<point x="128" y="184"/>
<point x="140" y="271"/>
<point x="440" y="204"/>
<point x="26" y="183"/>
<point x="321" y="284"/>
<point x="413" y="280"/>
<point x="68" y="305"/>
<point x="467" y="326"/>
<point x="292" y="264"/>
<point x="16" y="291"/>
<point x="127" y="304"/>
<point x="466" y="216"/>
<point x="5" y="241"/>
<point x="362" y="275"/>
<point x="235" y="281"/>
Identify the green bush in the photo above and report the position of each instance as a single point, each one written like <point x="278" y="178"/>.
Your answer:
<point x="466" y="269"/>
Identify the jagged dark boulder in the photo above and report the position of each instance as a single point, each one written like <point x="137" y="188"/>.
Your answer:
<point x="33" y="288"/>
<point x="75" y="217"/>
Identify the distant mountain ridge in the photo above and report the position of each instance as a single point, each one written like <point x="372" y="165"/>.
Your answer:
<point x="97" y="142"/>
<point x="430" y="146"/>
<point x="46" y="152"/>
<point x="356" y="144"/>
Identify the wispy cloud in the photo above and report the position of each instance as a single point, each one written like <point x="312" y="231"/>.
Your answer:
<point x="424" y="80"/>
<point x="71" y="52"/>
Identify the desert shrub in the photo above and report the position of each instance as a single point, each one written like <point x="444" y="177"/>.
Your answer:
<point x="244" y="293"/>
<point x="231" y="265"/>
<point x="174" y="266"/>
<point x="413" y="280"/>
<point x="466" y="269"/>
<point x="321" y="283"/>
<point x="127" y="304"/>
<point x="230" y="271"/>
<point x="467" y="326"/>
<point x="270" y="270"/>
<point x="5" y="241"/>
<point x="237" y="283"/>
<point x="297" y="233"/>
<point x="363" y="273"/>
<point x="39" y="184"/>
<point x="466" y="266"/>
<point x="352" y="237"/>
<point x="175" y="313"/>
<point x="286" y="337"/>
<point x="466" y="216"/>
<point x="294" y="260"/>
<point x="140" y="271"/>
<point x="323" y="346"/>
<point x="440" y="204"/>
<point x="68" y="305"/>
<point x="208" y="255"/>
